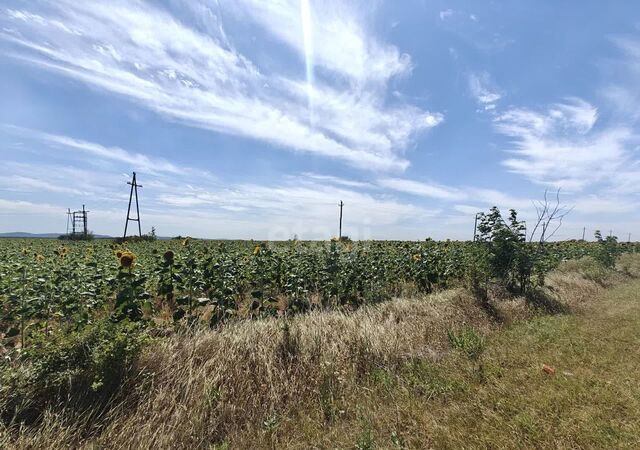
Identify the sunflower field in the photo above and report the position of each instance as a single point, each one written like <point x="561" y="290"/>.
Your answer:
<point x="47" y="287"/>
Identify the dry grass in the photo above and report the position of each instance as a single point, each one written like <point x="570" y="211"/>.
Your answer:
<point x="383" y="373"/>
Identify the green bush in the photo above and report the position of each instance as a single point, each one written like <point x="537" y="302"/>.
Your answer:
<point x="607" y="250"/>
<point x="501" y="252"/>
<point x="78" y="370"/>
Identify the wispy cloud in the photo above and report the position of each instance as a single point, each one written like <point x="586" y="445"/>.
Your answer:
<point x="134" y="160"/>
<point x="336" y="180"/>
<point x="24" y="183"/>
<point x="144" y="53"/>
<point x="445" y="13"/>
<point x="432" y="190"/>
<point x="483" y="90"/>
<point x="559" y="146"/>
<point x="182" y="200"/>
<point x="605" y="204"/>
<point x="343" y="42"/>
<point x="450" y="194"/>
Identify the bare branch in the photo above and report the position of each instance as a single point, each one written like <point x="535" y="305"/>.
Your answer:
<point x="550" y="217"/>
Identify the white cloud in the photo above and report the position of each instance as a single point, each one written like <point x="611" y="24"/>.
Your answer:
<point x="431" y="190"/>
<point x="483" y="90"/>
<point x="559" y="147"/>
<point x="23" y="183"/>
<point x="342" y="42"/>
<point x="445" y="13"/>
<point x="22" y="208"/>
<point x="136" y="161"/>
<point x="145" y="54"/>
<point x="601" y="205"/>
<point x="187" y="201"/>
<point x="481" y="196"/>
<point x="336" y="180"/>
<point x="191" y="202"/>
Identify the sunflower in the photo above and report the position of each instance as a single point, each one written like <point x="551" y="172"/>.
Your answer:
<point x="256" y="251"/>
<point x="185" y="242"/>
<point x="39" y="258"/>
<point x="168" y="256"/>
<point x="127" y="260"/>
<point x="119" y="254"/>
<point x="417" y="257"/>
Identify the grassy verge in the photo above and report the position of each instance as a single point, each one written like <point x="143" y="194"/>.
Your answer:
<point x="505" y="399"/>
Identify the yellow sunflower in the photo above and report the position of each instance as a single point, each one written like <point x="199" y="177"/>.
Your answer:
<point x="127" y="260"/>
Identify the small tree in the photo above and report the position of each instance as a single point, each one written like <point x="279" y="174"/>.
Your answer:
<point x="607" y="250"/>
<point x="503" y="245"/>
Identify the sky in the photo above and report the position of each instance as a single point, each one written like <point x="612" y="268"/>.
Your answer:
<point x="253" y="119"/>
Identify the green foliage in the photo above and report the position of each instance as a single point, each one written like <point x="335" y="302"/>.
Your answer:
<point x="366" y="439"/>
<point x="429" y="380"/>
<point x="587" y="266"/>
<point x="48" y="288"/>
<point x="83" y="368"/>
<point x="503" y="253"/>
<point x="607" y="250"/>
<point x="468" y="342"/>
<point x="131" y="298"/>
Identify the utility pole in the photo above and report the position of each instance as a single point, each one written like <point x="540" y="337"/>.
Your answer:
<point x="341" y="204"/>
<point x="68" y="219"/>
<point x="610" y="233"/>
<point x="584" y="231"/>
<point x="629" y="238"/>
<point x="475" y="226"/>
<point x="134" y="189"/>
<point x="84" y="221"/>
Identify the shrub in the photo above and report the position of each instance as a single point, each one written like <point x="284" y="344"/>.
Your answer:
<point x="608" y="250"/>
<point x="501" y="251"/>
<point x="82" y="369"/>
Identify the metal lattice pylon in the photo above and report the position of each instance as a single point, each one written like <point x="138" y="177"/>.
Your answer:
<point x="134" y="190"/>
<point x="79" y="222"/>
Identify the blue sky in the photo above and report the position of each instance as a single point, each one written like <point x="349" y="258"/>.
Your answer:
<point x="254" y="118"/>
